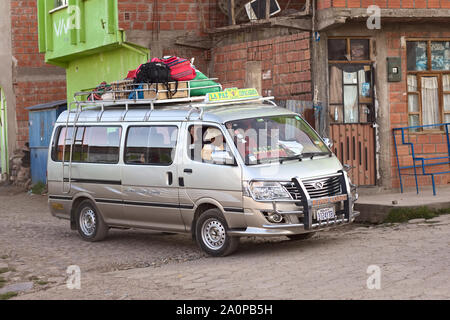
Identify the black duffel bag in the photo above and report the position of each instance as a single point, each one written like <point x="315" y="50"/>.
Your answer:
<point x="155" y="72"/>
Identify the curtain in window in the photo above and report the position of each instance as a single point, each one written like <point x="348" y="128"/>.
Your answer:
<point x="335" y="85"/>
<point x="430" y="100"/>
<point x="351" y="103"/>
<point x="412" y="83"/>
<point x="446" y="82"/>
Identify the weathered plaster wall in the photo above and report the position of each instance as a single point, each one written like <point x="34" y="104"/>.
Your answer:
<point x="6" y="67"/>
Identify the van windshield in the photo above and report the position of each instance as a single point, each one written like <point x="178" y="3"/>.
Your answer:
<point x="275" y="138"/>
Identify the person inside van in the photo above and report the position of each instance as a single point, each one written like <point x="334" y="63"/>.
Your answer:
<point x="215" y="136"/>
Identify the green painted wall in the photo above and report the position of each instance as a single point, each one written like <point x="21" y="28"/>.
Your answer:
<point x="106" y="66"/>
<point x="84" y="38"/>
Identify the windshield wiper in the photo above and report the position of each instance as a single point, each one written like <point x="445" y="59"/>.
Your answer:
<point x="313" y="154"/>
<point x="298" y="157"/>
<point x="261" y="161"/>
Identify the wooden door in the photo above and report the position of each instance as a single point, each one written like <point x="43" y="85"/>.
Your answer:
<point x="351" y="117"/>
<point x="354" y="144"/>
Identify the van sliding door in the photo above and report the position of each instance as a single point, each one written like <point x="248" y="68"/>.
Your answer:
<point x="149" y="177"/>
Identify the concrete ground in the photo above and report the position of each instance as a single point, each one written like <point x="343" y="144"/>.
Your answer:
<point x="408" y="198"/>
<point x="375" y="206"/>
<point x="411" y="260"/>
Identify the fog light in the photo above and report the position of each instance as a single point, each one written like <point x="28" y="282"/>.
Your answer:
<point x="275" y="218"/>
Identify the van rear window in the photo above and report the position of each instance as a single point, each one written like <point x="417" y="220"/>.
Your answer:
<point x="96" y="144"/>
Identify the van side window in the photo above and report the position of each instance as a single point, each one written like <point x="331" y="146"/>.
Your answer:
<point x="207" y="144"/>
<point x="154" y="145"/>
<point x="96" y="144"/>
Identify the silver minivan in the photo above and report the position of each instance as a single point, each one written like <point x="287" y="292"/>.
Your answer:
<point x="219" y="171"/>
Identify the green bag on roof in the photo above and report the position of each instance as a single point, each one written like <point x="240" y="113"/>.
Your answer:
<point x="212" y="85"/>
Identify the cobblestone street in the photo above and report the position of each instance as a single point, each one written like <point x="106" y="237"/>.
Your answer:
<point x="36" y="249"/>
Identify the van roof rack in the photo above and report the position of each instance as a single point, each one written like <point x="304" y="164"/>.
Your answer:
<point x="228" y="97"/>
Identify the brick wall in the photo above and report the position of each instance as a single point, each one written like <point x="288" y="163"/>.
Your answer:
<point x="24" y="38"/>
<point x="170" y="15"/>
<point x="285" y="62"/>
<point x="25" y="34"/>
<point x="427" y="145"/>
<point x="202" y="57"/>
<point x="31" y="93"/>
<point x="179" y="15"/>
<point x="393" y="4"/>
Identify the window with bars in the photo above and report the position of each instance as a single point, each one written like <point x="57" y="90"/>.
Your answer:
<point x="428" y="81"/>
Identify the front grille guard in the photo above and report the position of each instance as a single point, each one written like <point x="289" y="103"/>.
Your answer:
<point x="308" y="203"/>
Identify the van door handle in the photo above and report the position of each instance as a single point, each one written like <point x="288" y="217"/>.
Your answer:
<point x="187" y="170"/>
<point x="169" y="178"/>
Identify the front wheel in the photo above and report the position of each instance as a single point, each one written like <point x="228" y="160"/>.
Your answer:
<point x="211" y="234"/>
<point x="90" y="224"/>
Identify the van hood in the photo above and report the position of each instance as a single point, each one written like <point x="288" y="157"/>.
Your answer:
<point x="304" y="169"/>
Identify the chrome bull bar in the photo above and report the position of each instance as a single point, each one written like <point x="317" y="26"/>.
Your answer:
<point x="309" y="203"/>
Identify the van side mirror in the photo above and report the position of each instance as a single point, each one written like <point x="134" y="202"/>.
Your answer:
<point x="222" y="157"/>
<point x="328" y="142"/>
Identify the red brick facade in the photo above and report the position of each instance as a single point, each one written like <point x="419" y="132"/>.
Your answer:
<point x="425" y="144"/>
<point x="178" y="15"/>
<point x="32" y="93"/>
<point x="170" y="15"/>
<point x="25" y="34"/>
<point x="24" y="42"/>
<point x="384" y="4"/>
<point x="285" y="63"/>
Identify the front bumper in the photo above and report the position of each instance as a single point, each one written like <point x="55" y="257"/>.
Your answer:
<point x="271" y="230"/>
<point x="299" y="216"/>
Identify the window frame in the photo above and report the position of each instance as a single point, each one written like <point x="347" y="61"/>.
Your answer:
<point x="348" y="49"/>
<point x="226" y="140"/>
<point x="369" y="104"/>
<point x="428" y="72"/>
<point x="58" y="133"/>
<point x="150" y="164"/>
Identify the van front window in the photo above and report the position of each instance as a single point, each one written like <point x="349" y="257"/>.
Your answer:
<point x="276" y="138"/>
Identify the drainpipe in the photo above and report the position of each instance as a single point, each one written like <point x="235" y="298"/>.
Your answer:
<point x="4" y="137"/>
<point x="317" y="107"/>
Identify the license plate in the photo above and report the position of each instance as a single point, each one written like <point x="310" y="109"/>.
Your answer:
<point x="325" y="214"/>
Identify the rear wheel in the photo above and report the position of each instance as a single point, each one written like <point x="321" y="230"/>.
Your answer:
<point x="90" y="224"/>
<point x="211" y="234"/>
<point x="301" y="236"/>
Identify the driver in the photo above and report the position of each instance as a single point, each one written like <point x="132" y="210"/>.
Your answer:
<point x="217" y="144"/>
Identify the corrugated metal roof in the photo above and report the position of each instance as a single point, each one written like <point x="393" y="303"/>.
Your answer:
<point x="48" y="105"/>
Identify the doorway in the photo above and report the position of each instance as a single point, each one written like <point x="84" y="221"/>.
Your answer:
<point x="351" y="117"/>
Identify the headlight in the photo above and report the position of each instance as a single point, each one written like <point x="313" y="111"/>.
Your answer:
<point x="261" y="190"/>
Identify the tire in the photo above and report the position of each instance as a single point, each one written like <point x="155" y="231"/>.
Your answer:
<point x="211" y="234"/>
<point x="301" y="236"/>
<point x="90" y="224"/>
